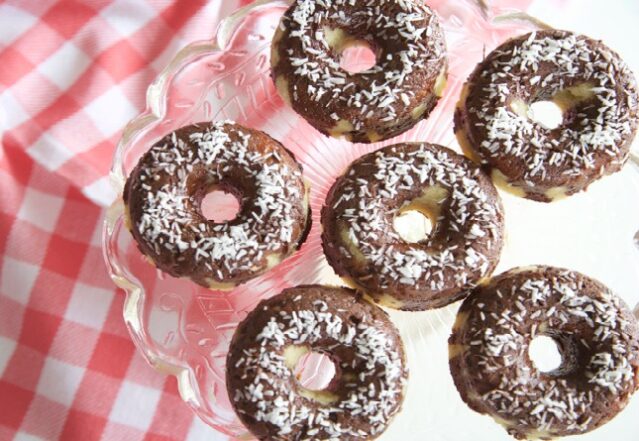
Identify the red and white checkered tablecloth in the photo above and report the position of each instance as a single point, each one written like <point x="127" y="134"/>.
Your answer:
<point x="72" y="73"/>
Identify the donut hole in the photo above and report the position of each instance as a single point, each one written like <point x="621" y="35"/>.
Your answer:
<point x="358" y="56"/>
<point x="545" y="353"/>
<point x="552" y="111"/>
<point x="315" y="371"/>
<point x="355" y="55"/>
<point x="417" y="218"/>
<point x="547" y="114"/>
<point x="220" y="205"/>
<point x="413" y="225"/>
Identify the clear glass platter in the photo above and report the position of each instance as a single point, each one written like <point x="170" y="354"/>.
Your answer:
<point x="184" y="330"/>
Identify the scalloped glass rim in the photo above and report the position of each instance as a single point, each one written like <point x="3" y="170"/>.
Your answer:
<point x="154" y="113"/>
<point x="156" y="92"/>
<point x="155" y="110"/>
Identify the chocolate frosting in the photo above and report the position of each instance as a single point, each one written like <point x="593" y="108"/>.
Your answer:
<point x="596" y="334"/>
<point x="164" y="192"/>
<point x="374" y="104"/>
<point x="361" y="244"/>
<point x="596" y="90"/>
<point x="365" y="346"/>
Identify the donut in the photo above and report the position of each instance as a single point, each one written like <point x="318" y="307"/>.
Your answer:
<point x="371" y="373"/>
<point x="597" y="336"/>
<point x="362" y="246"/>
<point x="163" y="194"/>
<point x="590" y="83"/>
<point x="375" y="104"/>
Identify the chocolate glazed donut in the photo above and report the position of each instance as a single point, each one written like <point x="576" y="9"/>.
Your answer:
<point x="362" y="246"/>
<point x="368" y="106"/>
<point x="368" y="387"/>
<point x="591" y="85"/>
<point x="163" y="194"/>
<point x="595" y="331"/>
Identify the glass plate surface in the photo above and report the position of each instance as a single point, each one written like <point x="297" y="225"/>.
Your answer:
<point x="184" y="330"/>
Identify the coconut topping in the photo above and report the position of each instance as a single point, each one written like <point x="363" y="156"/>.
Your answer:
<point x="467" y="235"/>
<point x="592" y="84"/>
<point x="408" y="41"/>
<point x="595" y="330"/>
<point x="181" y="168"/>
<point x="372" y="372"/>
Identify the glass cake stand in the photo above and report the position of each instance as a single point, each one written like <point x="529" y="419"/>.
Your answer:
<point x="184" y="330"/>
